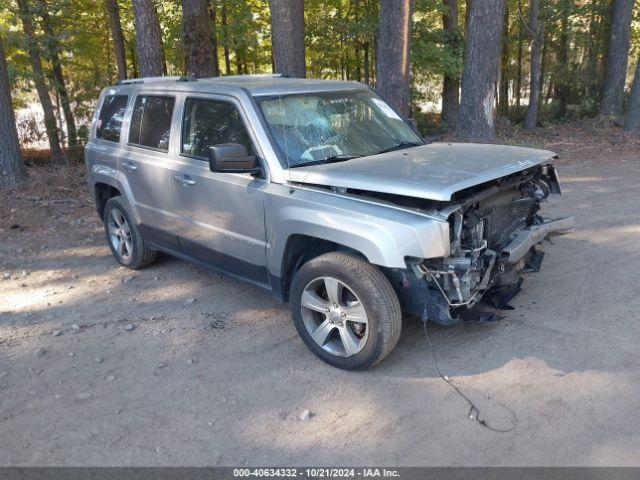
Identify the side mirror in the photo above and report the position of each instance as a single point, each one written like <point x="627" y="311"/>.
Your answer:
<point x="232" y="158"/>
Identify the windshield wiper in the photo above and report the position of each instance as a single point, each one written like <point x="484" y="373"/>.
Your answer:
<point x="400" y="146"/>
<point x="330" y="159"/>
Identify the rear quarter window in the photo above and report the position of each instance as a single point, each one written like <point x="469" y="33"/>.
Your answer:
<point x="151" y="121"/>
<point x="111" y="117"/>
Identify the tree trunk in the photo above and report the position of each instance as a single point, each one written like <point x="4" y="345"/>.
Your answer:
<point x="518" y="85"/>
<point x="225" y="32"/>
<point x="617" y="59"/>
<point x="196" y="34"/>
<point x="503" y="91"/>
<point x="393" y="80"/>
<point x="367" y="68"/>
<point x="57" y="155"/>
<point x="451" y="83"/>
<point x="287" y="36"/>
<point x="563" y="77"/>
<point x="214" y="38"/>
<point x="148" y="39"/>
<point x="591" y="51"/>
<point x="633" y="117"/>
<point x="531" y="119"/>
<point x="117" y="36"/>
<point x="52" y="53"/>
<point x="12" y="171"/>
<point x="476" y="115"/>
<point x="544" y="60"/>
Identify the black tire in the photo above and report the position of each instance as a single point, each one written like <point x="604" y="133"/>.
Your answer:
<point x="140" y="255"/>
<point x="375" y="294"/>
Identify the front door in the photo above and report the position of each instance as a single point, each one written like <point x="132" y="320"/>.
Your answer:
<point x="220" y="215"/>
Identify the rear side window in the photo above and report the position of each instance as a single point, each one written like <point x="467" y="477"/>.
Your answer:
<point x="151" y="121"/>
<point x="111" y="116"/>
<point x="211" y="122"/>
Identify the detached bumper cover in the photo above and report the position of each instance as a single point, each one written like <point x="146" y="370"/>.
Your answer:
<point x="527" y="238"/>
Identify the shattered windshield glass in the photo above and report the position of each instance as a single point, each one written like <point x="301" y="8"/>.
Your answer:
<point x="323" y="127"/>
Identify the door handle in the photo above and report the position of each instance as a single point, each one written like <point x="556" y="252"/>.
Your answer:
<point x="185" y="180"/>
<point x="129" y="166"/>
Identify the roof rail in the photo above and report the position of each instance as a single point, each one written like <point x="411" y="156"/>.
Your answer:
<point x="150" y="80"/>
<point x="253" y="75"/>
<point x="190" y="78"/>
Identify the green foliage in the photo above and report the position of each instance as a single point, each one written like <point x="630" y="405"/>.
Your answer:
<point x="340" y="43"/>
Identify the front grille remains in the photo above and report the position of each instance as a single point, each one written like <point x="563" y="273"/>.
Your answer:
<point x="501" y="223"/>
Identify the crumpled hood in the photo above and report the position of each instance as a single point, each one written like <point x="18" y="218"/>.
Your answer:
<point x="434" y="172"/>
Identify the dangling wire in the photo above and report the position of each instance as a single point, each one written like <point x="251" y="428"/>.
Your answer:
<point x="474" y="413"/>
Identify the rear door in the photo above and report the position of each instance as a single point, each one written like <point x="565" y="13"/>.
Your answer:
<point x="146" y="165"/>
<point x="220" y="215"/>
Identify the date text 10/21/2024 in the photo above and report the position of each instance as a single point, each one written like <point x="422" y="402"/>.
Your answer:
<point x="316" y="472"/>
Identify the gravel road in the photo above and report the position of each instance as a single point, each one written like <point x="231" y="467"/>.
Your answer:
<point x="176" y="365"/>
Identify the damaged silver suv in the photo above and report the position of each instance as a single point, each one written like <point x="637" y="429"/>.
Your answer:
<point x="321" y="193"/>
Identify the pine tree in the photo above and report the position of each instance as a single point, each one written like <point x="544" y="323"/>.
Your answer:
<point x="287" y="36"/>
<point x="12" y="171"/>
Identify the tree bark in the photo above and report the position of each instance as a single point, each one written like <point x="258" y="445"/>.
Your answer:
<point x="287" y="36"/>
<point x="518" y="85"/>
<point x="544" y="60"/>
<point x="531" y="119"/>
<point x="12" y="171"/>
<point x="196" y="34"/>
<point x="225" y="32"/>
<point x="52" y="53"/>
<point x="617" y="59"/>
<point x="214" y="38"/>
<point x="118" y="38"/>
<point x="503" y="90"/>
<point x="633" y="116"/>
<point x="393" y="79"/>
<point x="562" y="90"/>
<point x="148" y="39"/>
<point x="484" y="31"/>
<point x="367" y="63"/>
<point x="451" y="83"/>
<point x="57" y="155"/>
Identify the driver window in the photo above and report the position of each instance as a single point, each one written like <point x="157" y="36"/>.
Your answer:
<point x="211" y="122"/>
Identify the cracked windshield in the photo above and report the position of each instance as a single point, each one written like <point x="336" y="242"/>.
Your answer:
<point x="329" y="127"/>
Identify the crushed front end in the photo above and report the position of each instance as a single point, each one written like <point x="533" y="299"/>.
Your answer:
<point x="495" y="232"/>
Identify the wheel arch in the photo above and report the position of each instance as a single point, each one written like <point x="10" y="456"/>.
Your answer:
<point x="298" y="250"/>
<point x="102" y="192"/>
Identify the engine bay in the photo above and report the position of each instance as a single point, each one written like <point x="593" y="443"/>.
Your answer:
<point x="495" y="231"/>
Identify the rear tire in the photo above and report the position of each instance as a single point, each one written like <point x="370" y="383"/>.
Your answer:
<point x="345" y="310"/>
<point x="124" y="237"/>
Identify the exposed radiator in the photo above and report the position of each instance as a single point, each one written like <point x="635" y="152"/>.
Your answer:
<point x="501" y="222"/>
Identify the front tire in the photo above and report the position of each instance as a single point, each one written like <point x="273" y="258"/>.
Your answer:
<point x="124" y="237"/>
<point x="345" y="310"/>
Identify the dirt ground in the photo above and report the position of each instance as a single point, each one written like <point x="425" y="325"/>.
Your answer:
<point x="176" y="365"/>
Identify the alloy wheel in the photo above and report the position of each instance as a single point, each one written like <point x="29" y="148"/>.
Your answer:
<point x="334" y="316"/>
<point x="120" y="234"/>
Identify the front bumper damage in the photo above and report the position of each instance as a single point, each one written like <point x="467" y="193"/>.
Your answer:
<point x="495" y="236"/>
<point x="533" y="235"/>
<point x="449" y="298"/>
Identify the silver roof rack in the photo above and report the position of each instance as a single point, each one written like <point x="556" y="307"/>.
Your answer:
<point x="253" y="75"/>
<point x="193" y="79"/>
<point x="156" y="80"/>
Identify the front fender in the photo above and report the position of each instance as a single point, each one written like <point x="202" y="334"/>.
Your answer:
<point x="385" y="235"/>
